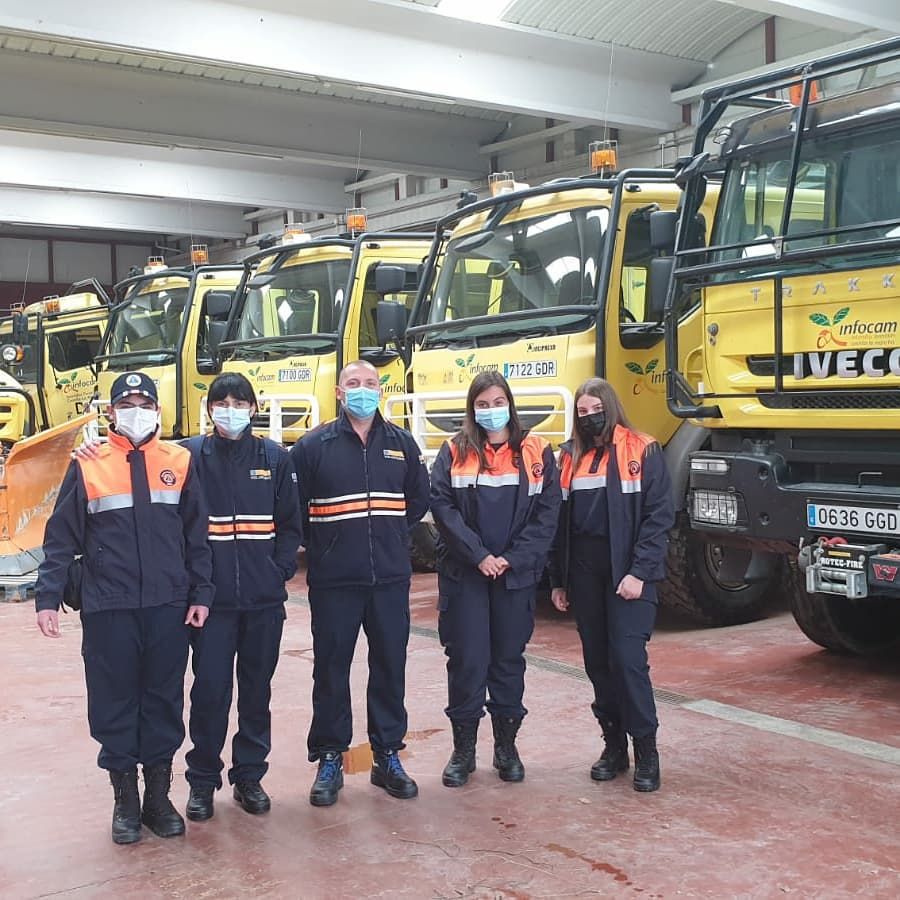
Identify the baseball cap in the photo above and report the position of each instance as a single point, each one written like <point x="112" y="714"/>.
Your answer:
<point x="133" y="383"/>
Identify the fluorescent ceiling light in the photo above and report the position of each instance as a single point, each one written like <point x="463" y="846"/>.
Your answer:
<point x="488" y="11"/>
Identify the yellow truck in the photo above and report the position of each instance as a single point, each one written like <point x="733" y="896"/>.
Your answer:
<point x="46" y="385"/>
<point x="48" y="348"/>
<point x="796" y="378"/>
<point x="551" y="285"/>
<point x="166" y="322"/>
<point x="305" y="307"/>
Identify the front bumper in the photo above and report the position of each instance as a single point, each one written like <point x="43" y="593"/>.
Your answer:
<point x="752" y="496"/>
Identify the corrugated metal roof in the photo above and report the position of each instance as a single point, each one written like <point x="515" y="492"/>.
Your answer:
<point x="689" y="29"/>
<point x="272" y="80"/>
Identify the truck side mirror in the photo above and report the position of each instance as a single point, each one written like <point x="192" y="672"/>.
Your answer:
<point x="215" y="334"/>
<point x="218" y="304"/>
<point x="663" y="224"/>
<point x="390" y="321"/>
<point x="20" y="328"/>
<point x="660" y="273"/>
<point x="389" y="280"/>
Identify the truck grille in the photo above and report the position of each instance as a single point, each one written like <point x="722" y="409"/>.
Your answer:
<point x="836" y="400"/>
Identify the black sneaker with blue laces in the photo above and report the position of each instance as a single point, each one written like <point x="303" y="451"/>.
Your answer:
<point x="329" y="779"/>
<point x="388" y="773"/>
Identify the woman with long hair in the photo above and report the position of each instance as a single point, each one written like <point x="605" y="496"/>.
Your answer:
<point x="495" y="500"/>
<point x="609" y="552"/>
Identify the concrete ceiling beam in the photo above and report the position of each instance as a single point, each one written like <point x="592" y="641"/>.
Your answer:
<point x="401" y="49"/>
<point x="68" y="209"/>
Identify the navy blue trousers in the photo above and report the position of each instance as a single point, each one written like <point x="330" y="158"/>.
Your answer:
<point x="614" y="634"/>
<point x="484" y="628"/>
<point x="253" y="637"/>
<point x="337" y="614"/>
<point x="134" y="665"/>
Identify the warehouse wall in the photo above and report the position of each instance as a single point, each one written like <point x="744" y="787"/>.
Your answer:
<point x="32" y="268"/>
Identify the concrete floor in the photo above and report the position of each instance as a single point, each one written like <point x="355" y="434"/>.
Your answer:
<point x="781" y="776"/>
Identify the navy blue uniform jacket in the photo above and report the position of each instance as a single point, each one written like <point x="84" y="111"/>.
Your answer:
<point x="520" y="490"/>
<point x="254" y="517"/>
<point x="641" y="512"/>
<point x="359" y="502"/>
<point x="138" y="519"/>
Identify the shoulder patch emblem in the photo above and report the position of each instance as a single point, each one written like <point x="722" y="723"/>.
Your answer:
<point x="167" y="477"/>
<point x="537" y="470"/>
<point x="634" y="468"/>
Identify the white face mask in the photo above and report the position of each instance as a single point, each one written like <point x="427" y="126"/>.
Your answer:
<point x="230" y="422"/>
<point x="136" y="424"/>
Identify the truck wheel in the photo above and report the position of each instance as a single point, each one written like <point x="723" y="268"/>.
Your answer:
<point x="422" y="543"/>
<point x="695" y="586"/>
<point x="866" y="627"/>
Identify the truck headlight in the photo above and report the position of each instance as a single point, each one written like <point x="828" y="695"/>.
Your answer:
<point x="714" y="507"/>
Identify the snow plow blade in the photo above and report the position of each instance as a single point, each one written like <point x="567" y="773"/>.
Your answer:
<point x="30" y="479"/>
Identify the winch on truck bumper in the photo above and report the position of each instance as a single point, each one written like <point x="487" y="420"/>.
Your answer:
<point x="855" y="571"/>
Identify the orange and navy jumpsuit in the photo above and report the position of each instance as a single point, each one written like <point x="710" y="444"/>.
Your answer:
<point x="508" y="509"/>
<point x="138" y="519"/>
<point x="614" y="521"/>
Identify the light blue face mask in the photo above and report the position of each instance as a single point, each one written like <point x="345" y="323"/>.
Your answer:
<point x="230" y="422"/>
<point x="361" y="402"/>
<point x="494" y="419"/>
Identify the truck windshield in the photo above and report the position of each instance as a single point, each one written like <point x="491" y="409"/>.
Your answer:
<point x="845" y="181"/>
<point x="148" y="322"/>
<point x="295" y="301"/>
<point x="536" y="265"/>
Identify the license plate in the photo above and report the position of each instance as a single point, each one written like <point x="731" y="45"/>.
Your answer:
<point x="866" y="520"/>
<point x="533" y="368"/>
<point x="295" y="374"/>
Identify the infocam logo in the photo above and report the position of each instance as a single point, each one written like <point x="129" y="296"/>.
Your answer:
<point x="648" y="376"/>
<point x="826" y="335"/>
<point x="833" y="329"/>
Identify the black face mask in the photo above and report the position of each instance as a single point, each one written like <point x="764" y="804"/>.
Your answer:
<point x="591" y="425"/>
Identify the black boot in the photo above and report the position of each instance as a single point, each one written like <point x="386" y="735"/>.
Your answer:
<point x="252" y="797"/>
<point x="329" y="779"/>
<point x="506" y="757"/>
<point x="159" y="815"/>
<point x="388" y="773"/>
<point x="200" y="803"/>
<point x="462" y="760"/>
<point x="614" y="758"/>
<point x="126" y="820"/>
<point x="646" y="763"/>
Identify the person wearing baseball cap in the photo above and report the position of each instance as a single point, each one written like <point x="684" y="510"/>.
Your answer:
<point x="135" y="513"/>
<point x="134" y="407"/>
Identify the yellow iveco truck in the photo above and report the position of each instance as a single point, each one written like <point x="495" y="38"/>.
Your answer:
<point x="552" y="285"/>
<point x="797" y="378"/>
<point x="166" y="322"/>
<point x="48" y="348"/>
<point x="305" y="308"/>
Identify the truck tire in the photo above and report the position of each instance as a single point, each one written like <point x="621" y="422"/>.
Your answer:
<point x="868" y="627"/>
<point x="422" y="543"/>
<point x="692" y="586"/>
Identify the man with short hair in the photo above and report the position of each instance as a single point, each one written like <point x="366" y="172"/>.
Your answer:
<point x="363" y="484"/>
<point x="135" y="515"/>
